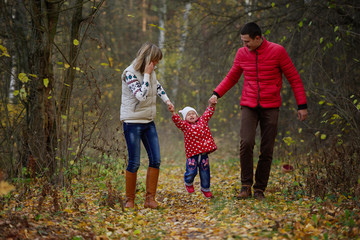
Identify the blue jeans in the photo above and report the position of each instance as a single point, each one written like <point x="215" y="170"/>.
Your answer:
<point x="200" y="161"/>
<point x="145" y="132"/>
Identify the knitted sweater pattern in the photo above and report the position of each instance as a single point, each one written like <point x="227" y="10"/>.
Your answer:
<point x="132" y="109"/>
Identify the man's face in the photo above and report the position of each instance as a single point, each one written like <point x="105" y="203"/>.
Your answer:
<point x="250" y="43"/>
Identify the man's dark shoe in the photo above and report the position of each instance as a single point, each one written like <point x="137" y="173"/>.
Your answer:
<point x="259" y="194"/>
<point x="245" y="192"/>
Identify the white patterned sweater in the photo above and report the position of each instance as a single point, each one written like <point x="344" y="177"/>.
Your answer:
<point x="138" y="100"/>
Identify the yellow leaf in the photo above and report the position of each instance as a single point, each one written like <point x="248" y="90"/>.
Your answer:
<point x="76" y="42"/>
<point x="4" y="51"/>
<point x="46" y="82"/>
<point x="225" y="211"/>
<point x="68" y="210"/>
<point x="23" y="78"/>
<point x="323" y="136"/>
<point x="5" y="188"/>
<point x="66" y="65"/>
<point x="308" y="228"/>
<point x="33" y="75"/>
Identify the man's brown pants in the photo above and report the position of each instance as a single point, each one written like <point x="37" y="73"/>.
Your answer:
<point x="250" y="117"/>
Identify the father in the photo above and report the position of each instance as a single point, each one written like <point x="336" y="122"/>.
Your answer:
<point x="262" y="63"/>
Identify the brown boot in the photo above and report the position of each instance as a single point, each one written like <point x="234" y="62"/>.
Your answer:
<point x="151" y="185"/>
<point x="259" y="194"/>
<point x="245" y="192"/>
<point x="130" y="189"/>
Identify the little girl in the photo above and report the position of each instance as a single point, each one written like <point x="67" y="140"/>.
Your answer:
<point x="198" y="144"/>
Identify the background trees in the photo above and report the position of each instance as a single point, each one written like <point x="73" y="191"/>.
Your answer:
<point x="61" y="63"/>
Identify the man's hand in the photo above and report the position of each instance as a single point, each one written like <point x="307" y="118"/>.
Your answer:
<point x="302" y="114"/>
<point x="213" y="100"/>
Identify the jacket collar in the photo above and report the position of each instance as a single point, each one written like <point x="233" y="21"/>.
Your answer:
<point x="262" y="46"/>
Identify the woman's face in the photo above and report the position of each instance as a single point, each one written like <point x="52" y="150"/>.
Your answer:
<point x="155" y="62"/>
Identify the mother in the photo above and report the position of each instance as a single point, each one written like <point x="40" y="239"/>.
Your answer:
<point x="137" y="112"/>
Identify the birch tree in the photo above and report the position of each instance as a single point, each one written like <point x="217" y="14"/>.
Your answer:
<point x="183" y="36"/>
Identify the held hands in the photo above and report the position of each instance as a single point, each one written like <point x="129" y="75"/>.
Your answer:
<point x="170" y="107"/>
<point x="213" y="101"/>
<point x="302" y="114"/>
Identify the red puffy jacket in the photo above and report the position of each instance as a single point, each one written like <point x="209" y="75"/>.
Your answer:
<point x="263" y="70"/>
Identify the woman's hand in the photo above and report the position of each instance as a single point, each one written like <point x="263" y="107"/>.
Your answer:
<point x="149" y="68"/>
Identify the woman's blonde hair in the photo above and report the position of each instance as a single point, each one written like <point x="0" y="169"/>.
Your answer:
<point x="147" y="53"/>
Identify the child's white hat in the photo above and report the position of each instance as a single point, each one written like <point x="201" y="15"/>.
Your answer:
<point x="185" y="111"/>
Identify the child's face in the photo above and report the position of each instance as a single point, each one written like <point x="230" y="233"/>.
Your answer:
<point x="191" y="117"/>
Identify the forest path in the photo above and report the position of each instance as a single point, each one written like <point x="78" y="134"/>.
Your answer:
<point x="85" y="214"/>
<point x="189" y="216"/>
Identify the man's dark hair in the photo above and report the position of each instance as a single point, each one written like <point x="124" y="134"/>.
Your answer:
<point x="252" y="29"/>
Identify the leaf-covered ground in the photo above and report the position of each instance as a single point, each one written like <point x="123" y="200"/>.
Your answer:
<point x="84" y="212"/>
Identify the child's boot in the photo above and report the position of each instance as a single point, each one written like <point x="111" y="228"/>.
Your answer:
<point x="207" y="194"/>
<point x="189" y="188"/>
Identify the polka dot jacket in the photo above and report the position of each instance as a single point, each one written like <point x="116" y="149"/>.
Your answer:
<point x="197" y="136"/>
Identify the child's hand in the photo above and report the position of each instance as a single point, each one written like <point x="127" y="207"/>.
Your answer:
<point x="213" y="100"/>
<point x="212" y="104"/>
<point x="170" y="107"/>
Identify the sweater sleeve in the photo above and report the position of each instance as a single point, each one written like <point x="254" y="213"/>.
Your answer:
<point x="161" y="92"/>
<point x="231" y="78"/>
<point x="140" y="91"/>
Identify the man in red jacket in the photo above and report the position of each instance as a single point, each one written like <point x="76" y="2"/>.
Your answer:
<point x="262" y="63"/>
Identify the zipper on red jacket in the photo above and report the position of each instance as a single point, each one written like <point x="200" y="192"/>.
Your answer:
<point x="257" y="79"/>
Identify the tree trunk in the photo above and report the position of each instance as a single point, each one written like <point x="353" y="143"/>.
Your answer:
<point x="144" y="16"/>
<point x="42" y="128"/>
<point x="67" y="87"/>
<point x="184" y="34"/>
<point x="162" y="16"/>
<point x="70" y="74"/>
